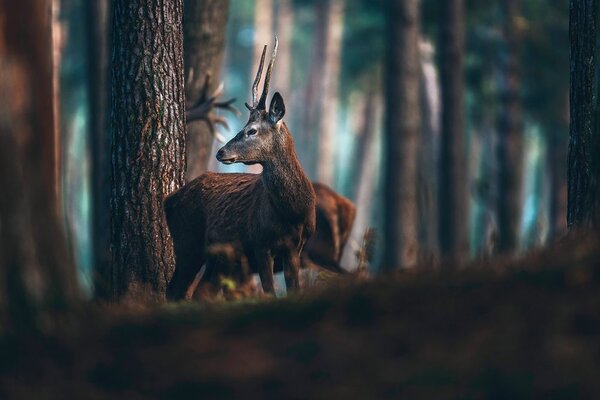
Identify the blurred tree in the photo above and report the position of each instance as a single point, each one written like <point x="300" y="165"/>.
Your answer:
<point x="97" y="23"/>
<point x="402" y="124"/>
<point x="329" y="93"/>
<point x="284" y="24"/>
<point x="583" y="160"/>
<point x="427" y="171"/>
<point x="148" y="136"/>
<point x="204" y="23"/>
<point x="37" y="274"/>
<point x="510" y="143"/>
<point x="453" y="195"/>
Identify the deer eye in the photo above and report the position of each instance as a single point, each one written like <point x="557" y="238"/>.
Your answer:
<point x="251" y="132"/>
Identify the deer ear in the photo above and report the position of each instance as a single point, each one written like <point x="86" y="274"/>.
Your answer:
<point x="276" y="109"/>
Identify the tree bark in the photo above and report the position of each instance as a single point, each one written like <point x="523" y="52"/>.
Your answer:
<point x="37" y="273"/>
<point x="510" y="144"/>
<point x="204" y="24"/>
<point x="97" y="18"/>
<point x="453" y="197"/>
<point x="330" y="91"/>
<point x="583" y="143"/>
<point x="148" y="140"/>
<point x="402" y="119"/>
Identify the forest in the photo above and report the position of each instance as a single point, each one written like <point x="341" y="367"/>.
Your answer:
<point x="304" y="199"/>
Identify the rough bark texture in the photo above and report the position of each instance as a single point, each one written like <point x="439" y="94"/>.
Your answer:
<point x="583" y="149"/>
<point x="402" y="119"/>
<point x="97" y="14"/>
<point x="330" y="91"/>
<point x="36" y="271"/>
<point x="204" y="23"/>
<point x="510" y="143"/>
<point x="453" y="196"/>
<point x="148" y="139"/>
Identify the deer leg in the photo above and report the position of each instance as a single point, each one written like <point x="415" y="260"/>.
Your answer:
<point x="264" y="265"/>
<point x="291" y="270"/>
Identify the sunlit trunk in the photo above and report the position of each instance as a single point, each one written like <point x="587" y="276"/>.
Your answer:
<point x="330" y="91"/>
<point x="510" y="143"/>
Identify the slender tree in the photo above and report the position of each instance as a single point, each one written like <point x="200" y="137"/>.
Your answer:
<point x="148" y="139"/>
<point x="453" y="196"/>
<point x="330" y="90"/>
<point x="204" y="24"/>
<point x="97" y="22"/>
<point x="583" y="136"/>
<point x="510" y="143"/>
<point x="402" y="123"/>
<point x="284" y="24"/>
<point x="36" y="272"/>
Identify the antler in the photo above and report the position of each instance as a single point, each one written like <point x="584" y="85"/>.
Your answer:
<point x="256" y="103"/>
<point x="265" y="92"/>
<point x="203" y="108"/>
<point x="257" y="80"/>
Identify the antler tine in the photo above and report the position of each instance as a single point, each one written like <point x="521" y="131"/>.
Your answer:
<point x="257" y="79"/>
<point x="265" y="92"/>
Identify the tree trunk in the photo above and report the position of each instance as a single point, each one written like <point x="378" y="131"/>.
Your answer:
<point x="148" y="140"/>
<point x="510" y="144"/>
<point x="402" y="119"/>
<point x="453" y="196"/>
<point x="428" y="175"/>
<point x="556" y="154"/>
<point x="330" y="91"/>
<point x="284" y="25"/>
<point x="582" y="164"/>
<point x="36" y="271"/>
<point x="366" y="160"/>
<point x="204" y="24"/>
<point x="97" y="18"/>
<point x="312" y="104"/>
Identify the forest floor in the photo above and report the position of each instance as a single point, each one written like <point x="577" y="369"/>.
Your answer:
<point x="520" y="329"/>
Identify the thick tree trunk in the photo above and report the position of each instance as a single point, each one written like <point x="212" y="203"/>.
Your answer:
<point x="204" y="24"/>
<point x="453" y="196"/>
<point x="510" y="144"/>
<point x="402" y="119"/>
<point x="36" y="271"/>
<point x="583" y="143"/>
<point x="148" y="139"/>
<point x="329" y="91"/>
<point x="97" y="18"/>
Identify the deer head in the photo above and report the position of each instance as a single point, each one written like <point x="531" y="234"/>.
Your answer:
<point x="262" y="138"/>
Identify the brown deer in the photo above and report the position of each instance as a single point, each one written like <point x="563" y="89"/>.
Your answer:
<point x="267" y="216"/>
<point x="335" y="216"/>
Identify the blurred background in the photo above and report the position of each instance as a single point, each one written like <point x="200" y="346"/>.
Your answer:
<point x="336" y="69"/>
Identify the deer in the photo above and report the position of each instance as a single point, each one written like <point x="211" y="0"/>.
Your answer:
<point x="335" y="216"/>
<point x="268" y="217"/>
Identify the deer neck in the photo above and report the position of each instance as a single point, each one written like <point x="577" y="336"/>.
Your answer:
<point x="288" y="187"/>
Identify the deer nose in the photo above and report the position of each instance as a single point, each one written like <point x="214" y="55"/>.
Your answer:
<point x="225" y="158"/>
